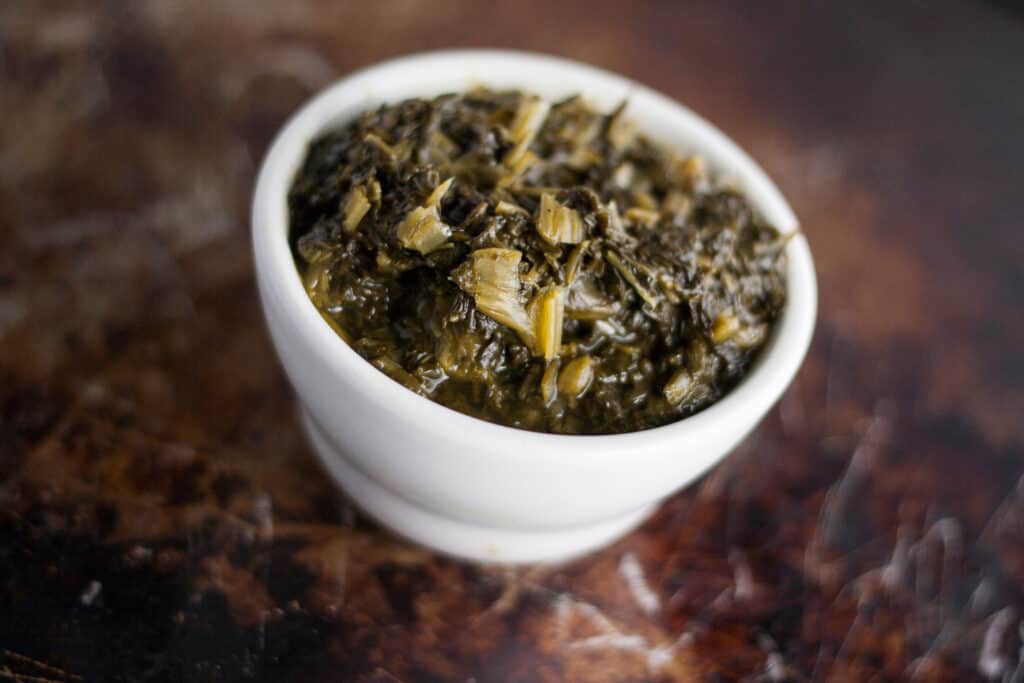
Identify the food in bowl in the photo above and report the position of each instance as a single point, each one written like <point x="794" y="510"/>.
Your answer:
<point x="546" y="267"/>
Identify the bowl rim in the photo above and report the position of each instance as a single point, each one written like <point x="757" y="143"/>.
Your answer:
<point x="280" y="281"/>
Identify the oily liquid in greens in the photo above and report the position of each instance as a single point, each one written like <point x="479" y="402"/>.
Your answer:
<point x="540" y="266"/>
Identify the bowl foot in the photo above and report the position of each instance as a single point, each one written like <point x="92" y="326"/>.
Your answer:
<point x="456" y="537"/>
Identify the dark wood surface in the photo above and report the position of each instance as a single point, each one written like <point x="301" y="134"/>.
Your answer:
<point x="162" y="519"/>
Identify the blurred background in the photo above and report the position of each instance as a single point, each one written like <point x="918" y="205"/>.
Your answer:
<point x="158" y="499"/>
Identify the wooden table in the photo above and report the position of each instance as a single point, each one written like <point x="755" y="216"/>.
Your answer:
<point x="162" y="519"/>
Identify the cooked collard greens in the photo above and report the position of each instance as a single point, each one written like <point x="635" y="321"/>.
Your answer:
<point x="541" y="266"/>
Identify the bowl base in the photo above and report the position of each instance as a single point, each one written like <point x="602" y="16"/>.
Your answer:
<point x="456" y="537"/>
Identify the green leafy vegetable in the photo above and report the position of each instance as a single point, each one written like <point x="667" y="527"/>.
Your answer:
<point x="542" y="265"/>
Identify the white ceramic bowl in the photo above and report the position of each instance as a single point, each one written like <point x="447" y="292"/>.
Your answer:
<point x="462" y="485"/>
